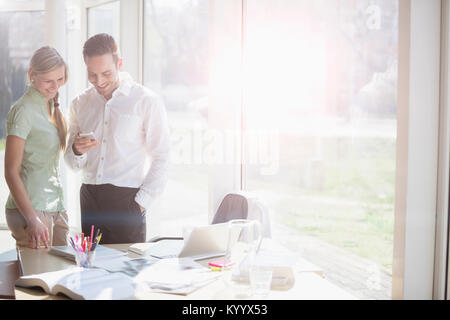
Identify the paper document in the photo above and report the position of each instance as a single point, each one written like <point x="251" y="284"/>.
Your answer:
<point x="126" y="265"/>
<point x="179" y="276"/>
<point x="162" y="249"/>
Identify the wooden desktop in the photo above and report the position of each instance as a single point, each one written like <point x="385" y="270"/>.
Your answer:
<point x="309" y="280"/>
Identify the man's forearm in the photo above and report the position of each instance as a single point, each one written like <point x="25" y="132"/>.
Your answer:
<point x="73" y="160"/>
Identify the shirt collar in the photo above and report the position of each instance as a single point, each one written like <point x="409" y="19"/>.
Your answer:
<point x="126" y="83"/>
<point x="39" y="98"/>
<point x="36" y="95"/>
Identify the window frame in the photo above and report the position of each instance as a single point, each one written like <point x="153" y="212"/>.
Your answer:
<point x="417" y="149"/>
<point x="96" y="4"/>
<point x="414" y="260"/>
<point x="440" y="288"/>
<point x="35" y="5"/>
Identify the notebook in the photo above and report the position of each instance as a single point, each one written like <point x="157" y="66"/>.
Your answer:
<point x="100" y="252"/>
<point x="82" y="284"/>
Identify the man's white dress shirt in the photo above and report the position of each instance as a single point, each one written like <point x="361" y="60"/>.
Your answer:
<point x="132" y="128"/>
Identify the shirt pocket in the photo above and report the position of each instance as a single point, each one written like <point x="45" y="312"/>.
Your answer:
<point x="128" y="128"/>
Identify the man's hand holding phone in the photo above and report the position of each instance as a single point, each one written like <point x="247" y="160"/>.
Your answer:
<point x="84" y="142"/>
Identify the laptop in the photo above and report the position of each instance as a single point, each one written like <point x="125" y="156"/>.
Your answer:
<point x="203" y="242"/>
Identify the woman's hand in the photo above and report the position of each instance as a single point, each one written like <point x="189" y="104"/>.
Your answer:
<point x="37" y="231"/>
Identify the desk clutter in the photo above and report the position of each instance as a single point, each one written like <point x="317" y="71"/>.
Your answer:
<point x="104" y="273"/>
<point x="120" y="277"/>
<point x="119" y="274"/>
<point x="131" y="271"/>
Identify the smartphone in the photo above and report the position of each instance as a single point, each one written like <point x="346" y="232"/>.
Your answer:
<point x="89" y="135"/>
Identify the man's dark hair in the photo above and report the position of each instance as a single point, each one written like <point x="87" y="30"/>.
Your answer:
<point x="99" y="45"/>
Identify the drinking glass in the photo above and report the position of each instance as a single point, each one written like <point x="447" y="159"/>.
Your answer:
<point x="244" y="239"/>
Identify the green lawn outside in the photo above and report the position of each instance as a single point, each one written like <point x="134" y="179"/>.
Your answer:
<point x="348" y="201"/>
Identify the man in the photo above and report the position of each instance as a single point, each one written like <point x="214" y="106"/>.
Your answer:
<point x="130" y="127"/>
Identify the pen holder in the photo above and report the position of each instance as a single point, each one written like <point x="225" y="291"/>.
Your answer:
<point x="85" y="259"/>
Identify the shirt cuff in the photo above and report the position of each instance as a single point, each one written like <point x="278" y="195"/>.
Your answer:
<point x="78" y="161"/>
<point x="143" y="199"/>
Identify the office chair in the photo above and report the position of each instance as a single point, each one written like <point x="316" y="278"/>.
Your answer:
<point x="233" y="206"/>
<point x="243" y="205"/>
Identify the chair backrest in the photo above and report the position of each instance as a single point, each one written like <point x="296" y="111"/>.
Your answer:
<point x="233" y="206"/>
<point x="243" y="205"/>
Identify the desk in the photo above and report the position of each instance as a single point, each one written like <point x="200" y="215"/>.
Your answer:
<point x="309" y="283"/>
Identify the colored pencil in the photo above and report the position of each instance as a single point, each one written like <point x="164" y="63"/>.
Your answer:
<point x="92" y="236"/>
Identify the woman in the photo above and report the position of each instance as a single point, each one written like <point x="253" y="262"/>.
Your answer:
<point x="36" y="134"/>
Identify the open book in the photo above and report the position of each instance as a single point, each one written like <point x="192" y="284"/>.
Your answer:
<point x="82" y="284"/>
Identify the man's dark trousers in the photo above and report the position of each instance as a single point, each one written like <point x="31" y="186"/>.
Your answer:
<point x="114" y="211"/>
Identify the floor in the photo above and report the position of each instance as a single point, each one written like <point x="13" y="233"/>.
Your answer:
<point x="360" y="277"/>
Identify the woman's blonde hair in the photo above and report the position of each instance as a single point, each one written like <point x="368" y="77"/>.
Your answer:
<point x="44" y="60"/>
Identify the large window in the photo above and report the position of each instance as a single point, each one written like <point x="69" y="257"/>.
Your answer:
<point x="176" y="67"/>
<point x="101" y="18"/>
<point x="317" y="83"/>
<point x="319" y="125"/>
<point x="21" y="33"/>
<point x="105" y="18"/>
<point x="320" y="117"/>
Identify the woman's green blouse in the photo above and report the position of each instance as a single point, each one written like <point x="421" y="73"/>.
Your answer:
<point x="28" y="119"/>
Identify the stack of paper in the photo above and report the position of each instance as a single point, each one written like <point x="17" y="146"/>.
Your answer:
<point x="101" y="252"/>
<point x="161" y="249"/>
<point x="179" y="276"/>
